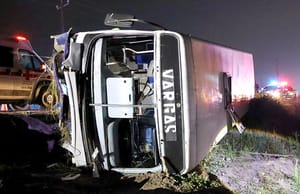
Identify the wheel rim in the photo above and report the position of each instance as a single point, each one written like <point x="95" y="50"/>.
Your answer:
<point x="48" y="99"/>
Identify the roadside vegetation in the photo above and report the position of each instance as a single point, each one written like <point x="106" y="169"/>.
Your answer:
<point x="251" y="145"/>
<point x="271" y="138"/>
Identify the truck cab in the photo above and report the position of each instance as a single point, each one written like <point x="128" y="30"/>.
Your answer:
<point x="149" y="101"/>
<point x="24" y="77"/>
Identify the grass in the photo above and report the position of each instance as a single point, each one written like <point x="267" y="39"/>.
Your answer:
<point x="53" y="89"/>
<point x="234" y="145"/>
<point x="65" y="132"/>
<point x="198" y="180"/>
<point x="193" y="181"/>
<point x="296" y="177"/>
<point x="251" y="141"/>
<point x="267" y="142"/>
<point x="259" y="141"/>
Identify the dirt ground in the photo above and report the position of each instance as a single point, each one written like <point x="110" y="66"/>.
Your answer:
<point x="260" y="174"/>
<point x="247" y="173"/>
<point x="244" y="174"/>
<point x="60" y="180"/>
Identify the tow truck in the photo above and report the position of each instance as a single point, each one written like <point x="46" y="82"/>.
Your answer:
<point x="150" y="100"/>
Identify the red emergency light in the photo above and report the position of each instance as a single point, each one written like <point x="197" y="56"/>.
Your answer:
<point x="283" y="83"/>
<point x="20" y="38"/>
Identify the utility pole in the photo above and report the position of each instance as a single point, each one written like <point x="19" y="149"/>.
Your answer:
<point x="61" y="8"/>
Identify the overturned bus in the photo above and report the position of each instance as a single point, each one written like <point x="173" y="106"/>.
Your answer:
<point x="151" y="100"/>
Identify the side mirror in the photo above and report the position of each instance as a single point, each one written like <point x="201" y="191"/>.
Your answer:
<point x="119" y="20"/>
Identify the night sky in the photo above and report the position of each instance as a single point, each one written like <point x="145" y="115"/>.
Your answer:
<point x="269" y="29"/>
